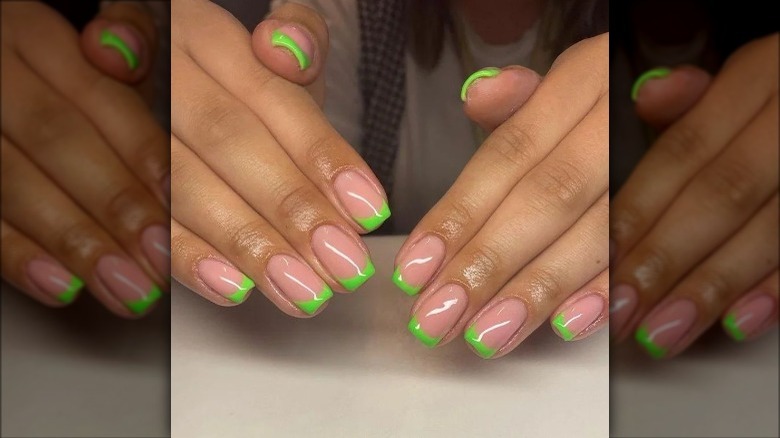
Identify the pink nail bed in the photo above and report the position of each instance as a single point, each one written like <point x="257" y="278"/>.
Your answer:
<point x="156" y="244"/>
<point x="298" y="283"/>
<point x="573" y="320"/>
<point x="496" y="326"/>
<point x="419" y="264"/>
<point x="128" y="283"/>
<point x="342" y="256"/>
<point x="438" y="314"/>
<point x="224" y="279"/>
<point x="53" y="279"/>
<point x="749" y="316"/>
<point x="622" y="303"/>
<point x="664" y="329"/>
<point x="361" y="199"/>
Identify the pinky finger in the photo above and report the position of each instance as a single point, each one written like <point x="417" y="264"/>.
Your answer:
<point x="585" y="311"/>
<point x="31" y="269"/>
<point x="755" y="312"/>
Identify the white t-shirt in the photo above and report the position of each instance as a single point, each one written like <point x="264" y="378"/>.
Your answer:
<point x="436" y="137"/>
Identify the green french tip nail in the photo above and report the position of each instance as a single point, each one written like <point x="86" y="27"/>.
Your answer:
<point x="240" y="295"/>
<point x="487" y="72"/>
<point x="472" y="337"/>
<point x="730" y="324"/>
<point x="414" y="328"/>
<point x="69" y="294"/>
<point x="279" y="39"/>
<point x="560" y="325"/>
<point x="373" y="222"/>
<point x="655" y="73"/>
<point x="642" y="336"/>
<point x="355" y="282"/>
<point x="404" y="286"/>
<point x="312" y="306"/>
<point x="110" y="39"/>
<point x="139" y="307"/>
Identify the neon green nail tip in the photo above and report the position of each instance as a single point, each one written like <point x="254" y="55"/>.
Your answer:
<point x="110" y="39"/>
<point x="655" y="73"/>
<point x="414" y="328"/>
<point x="240" y="295"/>
<point x="642" y="336"/>
<point x="373" y="222"/>
<point x="355" y="282"/>
<point x="730" y="324"/>
<point x="279" y="39"/>
<point x="69" y="294"/>
<point x="487" y="72"/>
<point x="404" y="286"/>
<point x="139" y="307"/>
<point x="472" y="337"/>
<point x="560" y="325"/>
<point x="312" y="306"/>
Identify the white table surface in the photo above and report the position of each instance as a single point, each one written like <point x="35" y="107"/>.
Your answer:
<point x="354" y="371"/>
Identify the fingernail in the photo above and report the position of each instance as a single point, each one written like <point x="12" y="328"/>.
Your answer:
<point x="298" y="283"/>
<point x="622" y="303"/>
<point x="655" y="73"/>
<point x="579" y="316"/>
<point x="128" y="283"/>
<point x="156" y="244"/>
<point x="438" y="314"/>
<point x="125" y="41"/>
<point x="663" y="330"/>
<point x="55" y="280"/>
<point x="745" y="319"/>
<point x="494" y="328"/>
<point x="342" y="256"/>
<point x="166" y="187"/>
<point x="296" y="41"/>
<point x="419" y="265"/>
<point x="366" y="206"/>
<point x="225" y="280"/>
<point x="487" y="72"/>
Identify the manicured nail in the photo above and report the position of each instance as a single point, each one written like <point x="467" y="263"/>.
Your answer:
<point x="225" y="280"/>
<point x="655" y="73"/>
<point x="438" y="314"/>
<point x="128" y="283"/>
<point x="494" y="328"/>
<point x="362" y="201"/>
<point x="120" y="38"/>
<point x="659" y="333"/>
<point x="487" y="72"/>
<point x="298" y="283"/>
<point x="342" y="256"/>
<point x="156" y="244"/>
<point x="296" y="41"/>
<point x="54" y="279"/>
<point x="747" y="317"/>
<point x="578" y="316"/>
<point x="622" y="303"/>
<point x="419" y="264"/>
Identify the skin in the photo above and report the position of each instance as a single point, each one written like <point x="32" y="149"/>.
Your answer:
<point x="83" y="159"/>
<point x="705" y="227"/>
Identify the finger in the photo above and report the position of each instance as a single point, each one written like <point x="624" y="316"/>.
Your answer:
<point x="37" y="208"/>
<point x="585" y="311"/>
<point x="31" y="269"/>
<point x="491" y="95"/>
<point x="755" y="312"/>
<point x="697" y="302"/>
<point x="663" y="95"/>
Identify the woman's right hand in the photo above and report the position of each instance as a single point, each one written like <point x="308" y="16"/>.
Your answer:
<point x="265" y="193"/>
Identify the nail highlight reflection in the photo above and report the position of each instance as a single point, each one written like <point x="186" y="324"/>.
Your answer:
<point x="495" y="327"/>
<point x="438" y="314"/>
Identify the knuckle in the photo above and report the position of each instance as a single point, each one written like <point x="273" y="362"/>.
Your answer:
<point x="219" y="123"/>
<point x="50" y="122"/>
<point x="714" y="286"/>
<point x="320" y="152"/>
<point x="485" y="260"/>
<point x="78" y="240"/>
<point x="459" y="213"/>
<point x="559" y="186"/>
<point x="732" y="186"/>
<point x="545" y="284"/>
<point x="655" y="262"/>
<point x="294" y="203"/>
<point x="248" y="239"/>
<point x="513" y="143"/>
<point x="682" y="143"/>
<point x="127" y="206"/>
<point x="624" y="221"/>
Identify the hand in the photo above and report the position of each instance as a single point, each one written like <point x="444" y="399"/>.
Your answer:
<point x="522" y="234"/>
<point x="84" y="162"/>
<point x="694" y="229"/>
<point x="265" y="192"/>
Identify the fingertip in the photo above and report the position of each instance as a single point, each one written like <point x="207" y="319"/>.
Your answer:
<point x="661" y="99"/>
<point x="288" y="49"/>
<point x="489" y="100"/>
<point x="117" y="49"/>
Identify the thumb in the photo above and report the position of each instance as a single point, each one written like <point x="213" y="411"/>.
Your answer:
<point x="491" y="95"/>
<point x="664" y="95"/>
<point x="293" y="43"/>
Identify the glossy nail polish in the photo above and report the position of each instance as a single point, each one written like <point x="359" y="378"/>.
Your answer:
<point x="156" y="244"/>
<point x="298" y="283"/>
<point x="747" y="317"/>
<point x="128" y="283"/>
<point x="225" y="280"/>
<point x="496" y="326"/>
<point x="487" y="72"/>
<point x="296" y="41"/>
<point x="661" y="331"/>
<point x="419" y="264"/>
<point x="342" y="256"/>
<point x="622" y="303"/>
<point x="124" y="41"/>
<point x="655" y="73"/>
<point x="578" y="316"/>
<point x="361" y="200"/>
<point x="438" y="314"/>
<point x="54" y="279"/>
